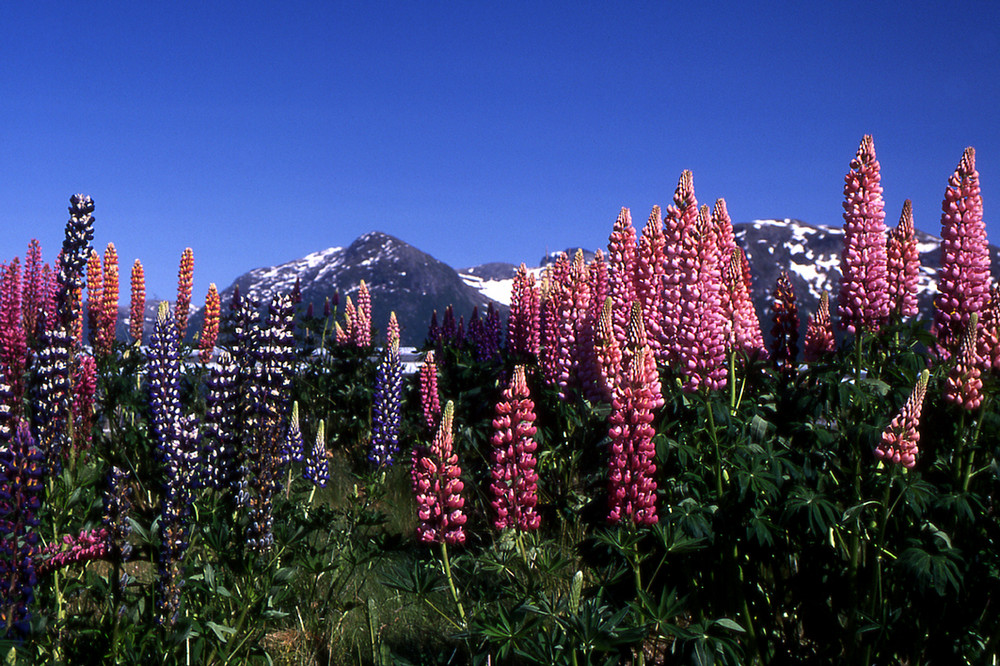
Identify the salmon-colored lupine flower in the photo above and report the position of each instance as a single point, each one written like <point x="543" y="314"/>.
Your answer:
<point x="785" y="333"/>
<point x="964" y="277"/>
<point x="185" y="283"/>
<point x="631" y="465"/>
<point x="900" y="438"/>
<point x="649" y="276"/>
<point x="514" y="483"/>
<point x="863" y="303"/>
<point x="523" y="322"/>
<point x="95" y="299"/>
<point x="361" y="328"/>
<point x="903" y="265"/>
<point x="438" y="487"/>
<point x="820" y="340"/>
<point x="744" y="330"/>
<point x="964" y="386"/>
<point x="210" y="327"/>
<point x="621" y="271"/>
<point x="137" y="304"/>
<point x="680" y="255"/>
<point x="701" y="328"/>
<point x="109" y="300"/>
<point x="430" y="400"/>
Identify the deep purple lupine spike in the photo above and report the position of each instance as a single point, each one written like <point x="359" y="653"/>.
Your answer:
<point x="964" y="277"/>
<point x="863" y="303"/>
<point x="514" y="482"/>
<point x="52" y="395"/>
<point x="73" y="259"/>
<point x="385" y="407"/>
<point x="219" y="426"/>
<point x="317" y="469"/>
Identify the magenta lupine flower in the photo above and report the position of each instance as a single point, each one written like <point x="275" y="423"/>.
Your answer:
<point x="558" y="339"/>
<point x="438" y="487"/>
<point x="631" y="466"/>
<point x="430" y="400"/>
<point x="964" y="277"/>
<point x="964" y="386"/>
<point x="82" y="405"/>
<point x="863" y="303"/>
<point x="725" y="241"/>
<point x="13" y="341"/>
<point x="701" y="328"/>
<point x="744" y="333"/>
<point x="819" y="341"/>
<point x="33" y="292"/>
<point x="621" y="271"/>
<point x="582" y="372"/>
<point x="608" y="353"/>
<point x="345" y="335"/>
<point x="361" y="328"/>
<point x="680" y="255"/>
<point x="903" y="265"/>
<point x="785" y="333"/>
<point x="514" y="481"/>
<point x="50" y="307"/>
<point x="523" y="323"/>
<point x="900" y="438"/>
<point x="649" y="276"/>
<point x="597" y="280"/>
<point x="86" y="546"/>
<point x="636" y="341"/>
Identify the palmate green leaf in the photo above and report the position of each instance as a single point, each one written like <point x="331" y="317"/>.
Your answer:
<point x="932" y="570"/>
<point x="819" y="512"/>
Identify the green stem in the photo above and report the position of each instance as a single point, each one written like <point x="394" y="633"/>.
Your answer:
<point x="451" y="581"/>
<point x="715" y="444"/>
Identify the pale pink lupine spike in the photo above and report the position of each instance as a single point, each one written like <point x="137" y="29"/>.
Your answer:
<point x="607" y="352"/>
<point x="745" y="335"/>
<point x="863" y="302"/>
<point x="964" y="384"/>
<point x="621" y="270"/>
<point x="899" y="440"/>
<point x="680" y="250"/>
<point x="361" y="329"/>
<point x="820" y="341"/>
<point x="903" y="265"/>
<point x="649" y="275"/>
<point x="964" y="277"/>
<point x="430" y="401"/>
<point x="635" y="354"/>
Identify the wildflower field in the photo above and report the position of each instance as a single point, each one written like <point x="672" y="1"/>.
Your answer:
<point x="622" y="472"/>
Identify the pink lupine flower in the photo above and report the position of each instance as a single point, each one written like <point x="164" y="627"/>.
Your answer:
<point x="82" y="406"/>
<point x="86" y="546"/>
<point x="608" y="353"/>
<point x="523" y="322"/>
<point x="701" y="326"/>
<point x="631" y="466"/>
<point x="340" y="336"/>
<point x="48" y="297"/>
<point x="558" y="338"/>
<point x="680" y="252"/>
<point x="430" y="401"/>
<point x="964" y="386"/>
<point x="210" y="326"/>
<point x="744" y="331"/>
<point x="185" y="283"/>
<point x="621" y="271"/>
<point x="899" y="440"/>
<point x="137" y="304"/>
<point x="582" y="372"/>
<point x="785" y="333"/>
<point x="819" y="341"/>
<point x="95" y="299"/>
<point x="346" y="335"/>
<point x="597" y="280"/>
<point x="964" y="277"/>
<point x="514" y="481"/>
<point x="438" y="487"/>
<point x="13" y="342"/>
<point x="636" y="341"/>
<point x="33" y="290"/>
<point x="392" y="330"/>
<point x="903" y="265"/>
<point x="362" y="326"/>
<point x="863" y="303"/>
<point x="649" y="276"/>
<point x="989" y="338"/>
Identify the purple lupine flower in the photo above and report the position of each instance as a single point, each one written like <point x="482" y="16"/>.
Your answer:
<point x="294" y="446"/>
<point x="51" y="395"/>
<point x="514" y="483"/>
<point x="73" y="259"/>
<point x="820" y="341"/>
<point x="903" y="265"/>
<point x="863" y="303"/>
<point x="899" y="440"/>
<point x="785" y="333"/>
<point x="385" y="407"/>
<point x="317" y="469"/>
<point x="438" y="486"/>
<point x="964" y="277"/>
<point x="433" y="331"/>
<point x="117" y="507"/>
<point x="21" y="487"/>
<point x="622" y="272"/>
<point x="219" y="425"/>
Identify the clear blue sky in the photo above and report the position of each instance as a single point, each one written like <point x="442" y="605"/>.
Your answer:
<point x="478" y="131"/>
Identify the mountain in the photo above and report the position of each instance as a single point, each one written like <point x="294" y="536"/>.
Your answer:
<point x="400" y="278"/>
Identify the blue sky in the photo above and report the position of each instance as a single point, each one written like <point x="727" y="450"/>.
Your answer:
<point x="258" y="132"/>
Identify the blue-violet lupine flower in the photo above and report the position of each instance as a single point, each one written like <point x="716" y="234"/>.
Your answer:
<point x="317" y="470"/>
<point x="385" y="407"/>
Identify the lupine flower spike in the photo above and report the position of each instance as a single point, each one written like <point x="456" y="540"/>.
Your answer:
<point x="13" y="340"/>
<point x="109" y="309"/>
<point x="430" y="401"/>
<point x="210" y="327"/>
<point x="819" y="340"/>
<point x="362" y="328"/>
<point x="385" y="403"/>
<point x="185" y="282"/>
<point x="73" y="259"/>
<point x="95" y="299"/>
<point x="863" y="303"/>
<point x="317" y="469"/>
<point x="137" y="305"/>
<point x="438" y="487"/>
<point x="514" y="481"/>
<point x="903" y="265"/>
<point x="964" y="277"/>
<point x="785" y="333"/>
<point x="523" y="322"/>
<point x="900" y="438"/>
<point x="964" y="385"/>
